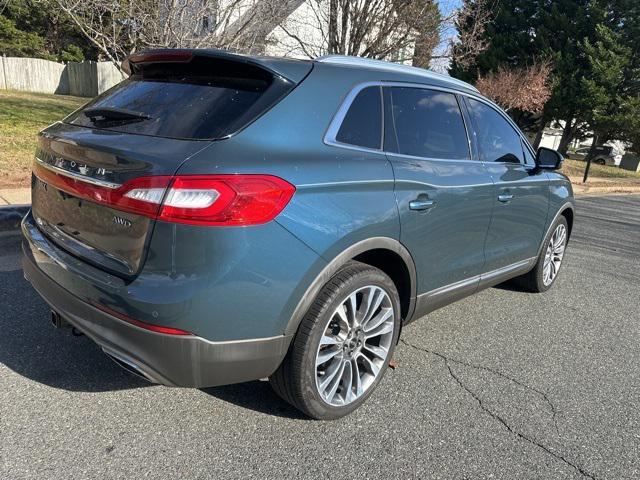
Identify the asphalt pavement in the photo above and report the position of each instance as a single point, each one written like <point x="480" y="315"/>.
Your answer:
<point x="503" y="384"/>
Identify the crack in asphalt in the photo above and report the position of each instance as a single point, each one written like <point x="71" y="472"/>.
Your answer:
<point x="447" y="361"/>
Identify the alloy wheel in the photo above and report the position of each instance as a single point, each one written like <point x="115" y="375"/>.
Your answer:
<point x="554" y="254"/>
<point x="355" y="344"/>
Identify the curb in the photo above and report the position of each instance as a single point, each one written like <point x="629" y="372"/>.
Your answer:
<point x="11" y="216"/>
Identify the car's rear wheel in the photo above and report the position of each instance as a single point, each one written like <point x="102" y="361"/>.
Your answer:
<point x="344" y="344"/>
<point x="547" y="267"/>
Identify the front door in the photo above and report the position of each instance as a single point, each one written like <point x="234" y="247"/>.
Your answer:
<point x="521" y="192"/>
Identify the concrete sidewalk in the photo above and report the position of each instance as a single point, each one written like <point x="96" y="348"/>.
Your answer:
<point x="15" y="196"/>
<point x="14" y="204"/>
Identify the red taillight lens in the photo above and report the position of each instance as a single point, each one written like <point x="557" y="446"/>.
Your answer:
<point x="191" y="199"/>
<point x="239" y="199"/>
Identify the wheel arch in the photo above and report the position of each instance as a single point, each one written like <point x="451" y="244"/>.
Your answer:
<point x="385" y="253"/>
<point x="567" y="211"/>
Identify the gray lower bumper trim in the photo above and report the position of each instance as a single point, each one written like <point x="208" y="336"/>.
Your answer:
<point x="184" y="361"/>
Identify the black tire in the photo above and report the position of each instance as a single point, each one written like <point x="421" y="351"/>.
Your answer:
<point x="534" y="281"/>
<point x="295" y="379"/>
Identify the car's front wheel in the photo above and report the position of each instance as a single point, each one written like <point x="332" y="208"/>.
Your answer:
<point x="344" y="344"/>
<point x="544" y="273"/>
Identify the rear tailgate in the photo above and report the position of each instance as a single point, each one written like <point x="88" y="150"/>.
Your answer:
<point x="137" y="135"/>
<point x="89" y="159"/>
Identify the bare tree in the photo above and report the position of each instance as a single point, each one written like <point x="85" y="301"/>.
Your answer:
<point x="471" y="21"/>
<point x="119" y="27"/>
<point x="525" y="89"/>
<point x="381" y="29"/>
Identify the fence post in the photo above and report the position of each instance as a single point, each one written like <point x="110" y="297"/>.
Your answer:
<point x="4" y="74"/>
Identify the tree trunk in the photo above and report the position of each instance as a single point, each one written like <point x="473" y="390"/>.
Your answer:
<point x="333" y="46"/>
<point x="590" y="155"/>
<point x="423" y="50"/>
<point x="567" y="135"/>
<point x="539" y="133"/>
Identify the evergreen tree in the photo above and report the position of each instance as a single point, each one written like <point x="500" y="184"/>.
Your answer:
<point x="611" y="90"/>
<point x="34" y="28"/>
<point x="510" y="38"/>
<point x="524" y="31"/>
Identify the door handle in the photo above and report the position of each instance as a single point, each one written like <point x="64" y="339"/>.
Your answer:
<point x="505" y="197"/>
<point x="421" y="204"/>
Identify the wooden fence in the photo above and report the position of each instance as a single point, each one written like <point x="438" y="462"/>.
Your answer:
<point x="84" y="79"/>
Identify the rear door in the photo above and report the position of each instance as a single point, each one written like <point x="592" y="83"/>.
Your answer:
<point x="521" y="192"/>
<point x="90" y="167"/>
<point x="444" y="195"/>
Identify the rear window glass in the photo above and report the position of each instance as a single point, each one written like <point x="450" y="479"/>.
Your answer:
<point x="362" y="125"/>
<point x="204" y="99"/>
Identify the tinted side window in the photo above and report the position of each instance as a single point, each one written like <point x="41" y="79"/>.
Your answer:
<point x="529" y="159"/>
<point x="428" y="124"/>
<point x="497" y="140"/>
<point x="362" y="125"/>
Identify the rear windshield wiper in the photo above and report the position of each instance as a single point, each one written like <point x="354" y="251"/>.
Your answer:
<point x="114" y="114"/>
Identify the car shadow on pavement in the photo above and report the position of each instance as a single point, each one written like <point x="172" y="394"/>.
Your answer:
<point x="33" y="348"/>
<point x="257" y="396"/>
<point x="30" y="346"/>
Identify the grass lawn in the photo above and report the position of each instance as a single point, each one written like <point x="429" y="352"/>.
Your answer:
<point x="22" y="116"/>
<point x="575" y="168"/>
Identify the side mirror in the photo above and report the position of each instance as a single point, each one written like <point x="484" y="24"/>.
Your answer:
<point x="548" y="159"/>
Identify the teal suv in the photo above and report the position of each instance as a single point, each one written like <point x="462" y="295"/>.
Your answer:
<point x="218" y="218"/>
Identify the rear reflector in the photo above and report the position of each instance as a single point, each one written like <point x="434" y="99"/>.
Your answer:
<point x="138" y="323"/>
<point x="214" y="200"/>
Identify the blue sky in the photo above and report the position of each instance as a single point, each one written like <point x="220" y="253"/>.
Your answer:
<point x="446" y="7"/>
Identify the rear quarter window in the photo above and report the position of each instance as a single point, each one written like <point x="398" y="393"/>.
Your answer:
<point x="362" y="125"/>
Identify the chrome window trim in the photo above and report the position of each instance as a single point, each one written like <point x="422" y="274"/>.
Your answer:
<point x="338" y="118"/>
<point x="330" y="135"/>
<point x="77" y="176"/>
<point x="334" y="126"/>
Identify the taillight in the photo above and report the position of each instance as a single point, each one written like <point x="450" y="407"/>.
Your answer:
<point x="225" y="199"/>
<point x="191" y="199"/>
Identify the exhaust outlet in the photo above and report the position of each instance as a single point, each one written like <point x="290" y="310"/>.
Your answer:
<point x="57" y="320"/>
<point x="128" y="365"/>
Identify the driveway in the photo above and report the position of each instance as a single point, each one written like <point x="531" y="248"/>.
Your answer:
<point x="503" y="384"/>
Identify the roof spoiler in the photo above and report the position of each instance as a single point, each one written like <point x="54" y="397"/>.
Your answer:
<point x="292" y="70"/>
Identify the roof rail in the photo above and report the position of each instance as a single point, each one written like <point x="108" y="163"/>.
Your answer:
<point x="349" y="60"/>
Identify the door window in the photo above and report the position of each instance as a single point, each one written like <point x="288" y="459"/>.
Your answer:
<point x="428" y="123"/>
<point x="497" y="139"/>
<point x="529" y="159"/>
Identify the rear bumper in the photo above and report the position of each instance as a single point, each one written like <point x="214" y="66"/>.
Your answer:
<point x="175" y="360"/>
